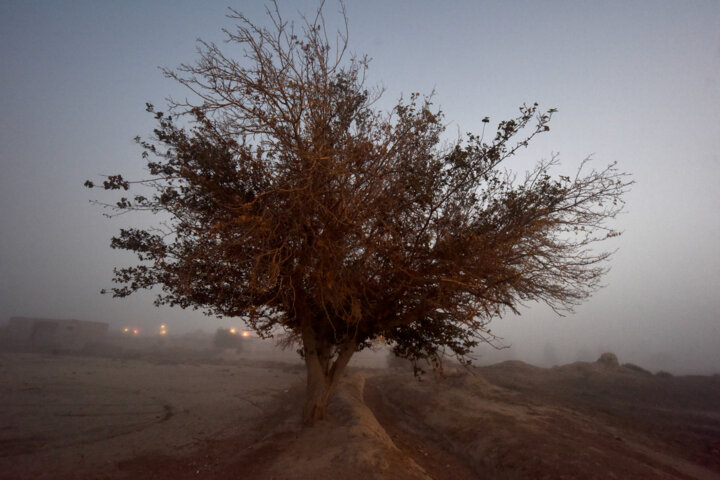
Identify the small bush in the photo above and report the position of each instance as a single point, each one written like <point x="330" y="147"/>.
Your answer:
<point x="608" y="360"/>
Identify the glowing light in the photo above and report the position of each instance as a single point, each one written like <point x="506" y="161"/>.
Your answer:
<point x="245" y="333"/>
<point x="233" y="330"/>
<point x="162" y="326"/>
<point x="136" y="331"/>
<point x="126" y="330"/>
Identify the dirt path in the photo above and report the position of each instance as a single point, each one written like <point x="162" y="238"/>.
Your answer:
<point x="112" y="419"/>
<point x="414" y="439"/>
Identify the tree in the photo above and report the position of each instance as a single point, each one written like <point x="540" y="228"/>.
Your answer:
<point x="288" y="200"/>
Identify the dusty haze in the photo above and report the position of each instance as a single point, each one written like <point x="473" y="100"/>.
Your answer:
<point x="633" y="83"/>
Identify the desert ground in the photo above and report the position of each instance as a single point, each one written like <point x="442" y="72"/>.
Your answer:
<point x="184" y="414"/>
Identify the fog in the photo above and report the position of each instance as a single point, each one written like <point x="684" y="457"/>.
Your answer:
<point x="634" y="84"/>
<point x="80" y="402"/>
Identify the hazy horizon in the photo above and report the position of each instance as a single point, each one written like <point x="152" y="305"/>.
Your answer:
<point x="637" y="83"/>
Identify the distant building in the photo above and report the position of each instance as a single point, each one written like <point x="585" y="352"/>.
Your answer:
<point x="51" y="333"/>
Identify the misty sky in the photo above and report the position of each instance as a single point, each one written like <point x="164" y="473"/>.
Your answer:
<point x="634" y="82"/>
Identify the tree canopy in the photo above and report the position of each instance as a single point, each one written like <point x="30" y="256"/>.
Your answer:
<point x="287" y="199"/>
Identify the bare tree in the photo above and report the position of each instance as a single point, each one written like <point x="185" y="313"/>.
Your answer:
<point x="288" y="200"/>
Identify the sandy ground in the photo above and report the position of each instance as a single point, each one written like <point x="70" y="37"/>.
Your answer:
<point x="62" y="416"/>
<point x="238" y="417"/>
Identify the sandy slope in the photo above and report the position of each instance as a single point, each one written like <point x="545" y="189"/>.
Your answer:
<point x="75" y="417"/>
<point x="565" y="426"/>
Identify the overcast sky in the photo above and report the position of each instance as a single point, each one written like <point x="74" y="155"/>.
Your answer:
<point x="634" y="82"/>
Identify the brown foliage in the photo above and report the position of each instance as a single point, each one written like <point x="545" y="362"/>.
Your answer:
<point x="293" y="203"/>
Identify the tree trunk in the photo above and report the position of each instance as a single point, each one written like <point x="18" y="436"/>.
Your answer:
<point x="323" y="374"/>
